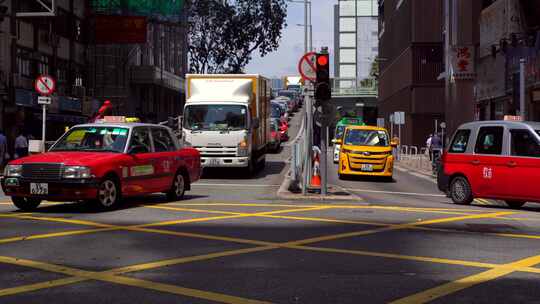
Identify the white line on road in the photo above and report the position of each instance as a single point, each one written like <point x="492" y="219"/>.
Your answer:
<point x="233" y="185"/>
<point x="396" y="193"/>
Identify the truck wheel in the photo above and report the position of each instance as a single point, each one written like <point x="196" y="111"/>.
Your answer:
<point x="460" y="191"/>
<point x="250" y="169"/>
<point x="262" y="164"/>
<point x="108" y="194"/>
<point x="515" y="204"/>
<point x="178" y="188"/>
<point x="25" y="203"/>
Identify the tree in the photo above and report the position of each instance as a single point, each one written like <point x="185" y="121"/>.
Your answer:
<point x="223" y="34"/>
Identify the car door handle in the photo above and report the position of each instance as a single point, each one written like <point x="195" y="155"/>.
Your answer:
<point x="475" y="162"/>
<point x="511" y="164"/>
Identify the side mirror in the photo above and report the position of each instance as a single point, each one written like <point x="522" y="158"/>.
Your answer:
<point x="255" y="123"/>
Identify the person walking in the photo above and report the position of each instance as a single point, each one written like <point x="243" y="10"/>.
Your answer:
<point x="428" y="146"/>
<point x="21" y="146"/>
<point x="3" y="149"/>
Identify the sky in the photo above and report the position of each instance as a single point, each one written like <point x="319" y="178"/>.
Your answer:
<point x="284" y="61"/>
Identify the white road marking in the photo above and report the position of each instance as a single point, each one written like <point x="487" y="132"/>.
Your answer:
<point x="396" y="193"/>
<point x="419" y="175"/>
<point x="233" y="185"/>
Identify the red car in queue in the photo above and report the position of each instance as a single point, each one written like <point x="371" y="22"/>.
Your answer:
<point x="103" y="163"/>
<point x="275" y="139"/>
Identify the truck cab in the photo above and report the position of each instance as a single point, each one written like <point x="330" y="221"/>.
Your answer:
<point x="227" y="118"/>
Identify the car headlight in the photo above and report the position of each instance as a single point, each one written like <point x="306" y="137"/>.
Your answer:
<point x="13" y="171"/>
<point x="243" y="148"/>
<point x="78" y="172"/>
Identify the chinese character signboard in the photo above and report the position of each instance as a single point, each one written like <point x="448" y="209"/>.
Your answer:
<point x="463" y="62"/>
<point x="120" y="29"/>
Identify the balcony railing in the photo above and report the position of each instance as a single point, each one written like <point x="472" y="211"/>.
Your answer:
<point x="353" y="87"/>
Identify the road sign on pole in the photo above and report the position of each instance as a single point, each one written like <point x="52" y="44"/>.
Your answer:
<point x="44" y="100"/>
<point x="307" y="66"/>
<point x="399" y="118"/>
<point x="45" y="85"/>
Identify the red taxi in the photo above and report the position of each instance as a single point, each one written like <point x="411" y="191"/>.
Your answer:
<point x="103" y="163"/>
<point x="493" y="160"/>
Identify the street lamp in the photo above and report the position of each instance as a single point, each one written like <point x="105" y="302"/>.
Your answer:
<point x="308" y="46"/>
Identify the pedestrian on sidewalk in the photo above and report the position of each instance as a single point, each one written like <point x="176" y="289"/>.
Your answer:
<point x="3" y="149"/>
<point x="428" y="146"/>
<point x="436" y="146"/>
<point x="21" y="145"/>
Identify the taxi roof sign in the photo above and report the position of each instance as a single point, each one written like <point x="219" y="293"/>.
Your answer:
<point x="119" y="119"/>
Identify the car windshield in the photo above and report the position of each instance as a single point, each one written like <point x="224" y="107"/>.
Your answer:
<point x="215" y="118"/>
<point x="289" y="94"/>
<point x="94" y="139"/>
<point x="356" y="137"/>
<point x="339" y="132"/>
<point x="276" y="111"/>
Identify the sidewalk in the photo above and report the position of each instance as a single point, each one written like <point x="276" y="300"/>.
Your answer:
<point x="416" y="163"/>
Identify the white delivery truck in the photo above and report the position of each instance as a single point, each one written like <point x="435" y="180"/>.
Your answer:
<point x="227" y="118"/>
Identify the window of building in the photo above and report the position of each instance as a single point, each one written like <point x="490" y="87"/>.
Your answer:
<point x="347" y="24"/>
<point x="347" y="40"/>
<point x="489" y="141"/>
<point x="43" y="65"/>
<point x="347" y="71"/>
<point x="347" y="55"/>
<point x="24" y="63"/>
<point x="346" y="8"/>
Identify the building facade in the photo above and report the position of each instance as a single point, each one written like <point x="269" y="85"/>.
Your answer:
<point x="462" y="57"/>
<point x="508" y="33"/>
<point x="411" y="62"/>
<point x="144" y="79"/>
<point x="33" y="46"/>
<point x="356" y="39"/>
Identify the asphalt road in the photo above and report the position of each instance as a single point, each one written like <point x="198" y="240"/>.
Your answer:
<point x="232" y="241"/>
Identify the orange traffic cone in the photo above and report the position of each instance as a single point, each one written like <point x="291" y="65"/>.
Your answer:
<point x="316" y="178"/>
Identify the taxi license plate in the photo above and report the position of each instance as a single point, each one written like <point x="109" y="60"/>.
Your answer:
<point x="367" y="167"/>
<point x="212" y="162"/>
<point x="39" y="188"/>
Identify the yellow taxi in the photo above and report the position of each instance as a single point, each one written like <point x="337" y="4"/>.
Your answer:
<point x="366" y="151"/>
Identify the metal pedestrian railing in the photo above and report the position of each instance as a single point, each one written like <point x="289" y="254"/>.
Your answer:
<point x="298" y="155"/>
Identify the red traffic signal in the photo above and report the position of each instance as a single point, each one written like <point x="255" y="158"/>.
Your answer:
<point x="322" y="60"/>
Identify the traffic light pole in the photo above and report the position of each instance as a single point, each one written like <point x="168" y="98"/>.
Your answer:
<point x="308" y="135"/>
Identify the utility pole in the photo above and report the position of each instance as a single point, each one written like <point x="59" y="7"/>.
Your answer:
<point x="522" y="109"/>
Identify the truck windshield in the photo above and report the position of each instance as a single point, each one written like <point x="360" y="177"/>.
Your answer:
<point x="355" y="137"/>
<point x="93" y="139"/>
<point x="215" y="118"/>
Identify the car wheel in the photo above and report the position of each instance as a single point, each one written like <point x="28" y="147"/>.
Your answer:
<point x="178" y="188"/>
<point x="515" y="204"/>
<point x="25" y="203"/>
<point x="460" y="191"/>
<point x="108" y="194"/>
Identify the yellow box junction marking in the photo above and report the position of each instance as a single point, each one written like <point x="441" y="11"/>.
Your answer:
<point x="109" y="276"/>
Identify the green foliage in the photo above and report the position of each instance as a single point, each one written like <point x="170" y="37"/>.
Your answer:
<point x="223" y="34"/>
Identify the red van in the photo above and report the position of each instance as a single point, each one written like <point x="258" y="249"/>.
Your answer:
<point x="493" y="160"/>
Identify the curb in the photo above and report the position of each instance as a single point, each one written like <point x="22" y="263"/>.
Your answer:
<point x="284" y="193"/>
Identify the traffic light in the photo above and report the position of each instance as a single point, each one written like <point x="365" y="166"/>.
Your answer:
<point x="323" y="90"/>
<point x="3" y="12"/>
